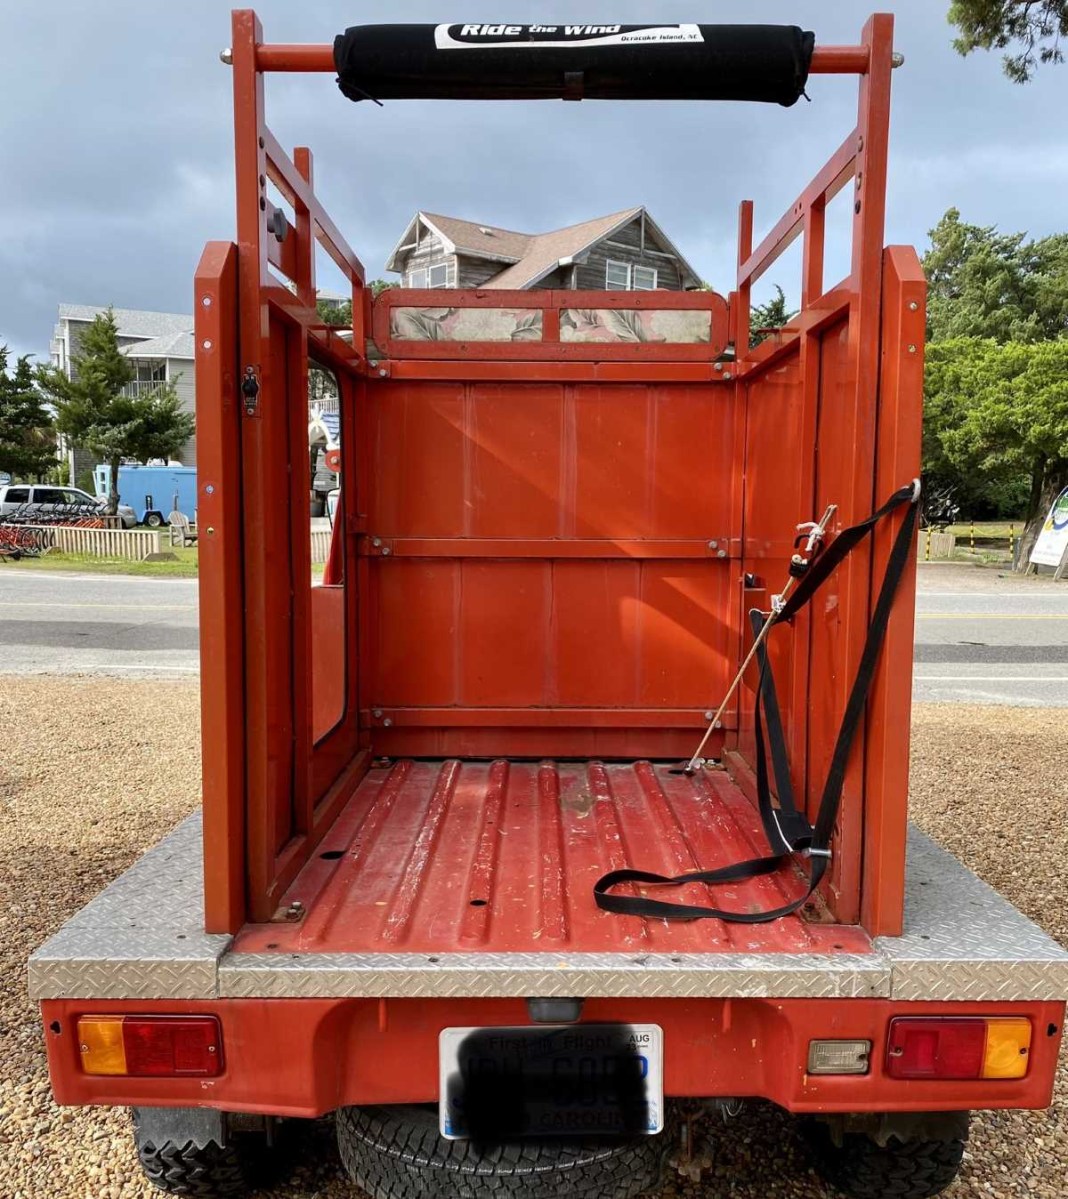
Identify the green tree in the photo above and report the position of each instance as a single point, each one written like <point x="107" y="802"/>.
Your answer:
<point x="764" y="319"/>
<point x="94" y="409"/>
<point x="983" y="283"/>
<point x="27" y="433"/>
<point x="1000" y="410"/>
<point x="340" y="315"/>
<point x="1033" y="28"/>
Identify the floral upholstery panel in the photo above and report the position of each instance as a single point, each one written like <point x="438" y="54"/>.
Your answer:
<point x="465" y="324"/>
<point x="677" y="326"/>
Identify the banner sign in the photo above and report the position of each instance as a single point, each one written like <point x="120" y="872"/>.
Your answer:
<point x="500" y="36"/>
<point x="1053" y="540"/>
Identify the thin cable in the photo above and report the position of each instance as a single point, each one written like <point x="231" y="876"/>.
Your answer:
<point x="816" y="534"/>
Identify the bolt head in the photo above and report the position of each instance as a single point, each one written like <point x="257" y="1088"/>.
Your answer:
<point x="387" y="722"/>
<point x="377" y="713"/>
<point x="713" y="545"/>
<point x="914" y="307"/>
<point x="386" y="551"/>
<point x="709" y="715"/>
<point x="721" y="553"/>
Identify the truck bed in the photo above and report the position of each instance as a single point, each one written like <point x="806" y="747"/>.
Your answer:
<point x="143" y="938"/>
<point x="502" y="857"/>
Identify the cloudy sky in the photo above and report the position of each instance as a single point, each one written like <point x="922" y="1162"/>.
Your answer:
<point x="116" y="165"/>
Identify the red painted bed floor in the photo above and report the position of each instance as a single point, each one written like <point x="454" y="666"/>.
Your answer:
<point x="490" y="857"/>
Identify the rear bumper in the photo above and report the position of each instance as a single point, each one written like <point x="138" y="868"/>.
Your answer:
<point x="304" y="1033"/>
<point x="305" y="1057"/>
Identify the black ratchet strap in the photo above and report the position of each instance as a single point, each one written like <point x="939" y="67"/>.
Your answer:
<point x="785" y="826"/>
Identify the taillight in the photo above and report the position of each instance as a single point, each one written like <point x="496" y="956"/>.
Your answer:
<point x="958" y="1048"/>
<point x="151" y="1046"/>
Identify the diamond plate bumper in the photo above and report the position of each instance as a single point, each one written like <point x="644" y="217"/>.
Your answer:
<point x="141" y="938"/>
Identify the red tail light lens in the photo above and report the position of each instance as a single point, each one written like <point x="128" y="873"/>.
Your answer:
<point x="151" y="1046"/>
<point x="963" y="1048"/>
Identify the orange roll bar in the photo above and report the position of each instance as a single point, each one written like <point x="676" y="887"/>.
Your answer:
<point x="826" y="60"/>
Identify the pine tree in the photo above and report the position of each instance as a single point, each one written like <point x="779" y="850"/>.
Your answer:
<point x="764" y="318"/>
<point x="94" y="411"/>
<point x="1033" y="27"/>
<point x="27" y="434"/>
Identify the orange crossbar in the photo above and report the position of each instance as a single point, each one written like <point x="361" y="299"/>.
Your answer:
<point x="826" y="60"/>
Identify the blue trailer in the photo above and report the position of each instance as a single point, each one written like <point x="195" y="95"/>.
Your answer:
<point x="153" y="491"/>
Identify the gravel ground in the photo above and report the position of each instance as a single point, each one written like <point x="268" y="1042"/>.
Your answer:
<point x="93" y="772"/>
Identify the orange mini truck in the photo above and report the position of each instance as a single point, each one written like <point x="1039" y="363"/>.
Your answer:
<point x="569" y="802"/>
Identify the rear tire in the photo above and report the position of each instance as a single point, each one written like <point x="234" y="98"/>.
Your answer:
<point x="154" y="521"/>
<point x="398" y="1153"/>
<point x="863" y="1169"/>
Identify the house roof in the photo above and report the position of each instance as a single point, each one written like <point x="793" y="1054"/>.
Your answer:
<point x="130" y="321"/>
<point x="527" y="257"/>
<point x="175" y="345"/>
<point x="547" y="249"/>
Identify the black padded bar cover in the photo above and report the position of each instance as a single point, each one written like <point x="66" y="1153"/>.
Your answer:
<point x="595" y="62"/>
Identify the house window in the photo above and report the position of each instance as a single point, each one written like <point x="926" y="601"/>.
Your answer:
<point x="438" y="275"/>
<point x="617" y="276"/>
<point x="621" y="276"/>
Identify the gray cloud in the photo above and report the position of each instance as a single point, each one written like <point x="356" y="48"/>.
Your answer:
<point x="115" y="145"/>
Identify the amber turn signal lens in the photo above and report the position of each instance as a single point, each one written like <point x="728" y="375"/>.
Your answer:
<point x="100" y="1045"/>
<point x="1008" y="1046"/>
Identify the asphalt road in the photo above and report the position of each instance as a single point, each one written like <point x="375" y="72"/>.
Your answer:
<point x="984" y="638"/>
<point x="980" y="637"/>
<point x="52" y="623"/>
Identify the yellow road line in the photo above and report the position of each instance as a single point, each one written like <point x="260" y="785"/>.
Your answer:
<point x="987" y="616"/>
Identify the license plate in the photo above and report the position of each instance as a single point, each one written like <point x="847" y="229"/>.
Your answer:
<point x="498" y="1084"/>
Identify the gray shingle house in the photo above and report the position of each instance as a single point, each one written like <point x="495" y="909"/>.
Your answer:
<point x="159" y="344"/>
<point x="624" y="251"/>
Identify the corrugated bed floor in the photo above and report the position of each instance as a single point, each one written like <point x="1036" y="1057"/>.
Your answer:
<point x="502" y="857"/>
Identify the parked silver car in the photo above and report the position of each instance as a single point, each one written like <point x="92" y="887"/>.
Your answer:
<point x="48" y="497"/>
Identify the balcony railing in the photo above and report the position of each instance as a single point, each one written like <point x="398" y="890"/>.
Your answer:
<point x="140" y="387"/>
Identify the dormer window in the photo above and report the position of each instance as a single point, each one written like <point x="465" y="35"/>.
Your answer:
<point x="622" y="276"/>
<point x="437" y="275"/>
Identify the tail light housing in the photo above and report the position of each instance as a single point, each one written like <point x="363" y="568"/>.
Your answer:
<point x="958" y="1048"/>
<point x="151" y="1046"/>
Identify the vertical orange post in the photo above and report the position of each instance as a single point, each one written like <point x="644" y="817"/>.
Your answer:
<point x="857" y="498"/>
<point x="222" y="666"/>
<point x="900" y="432"/>
<point x="743" y="305"/>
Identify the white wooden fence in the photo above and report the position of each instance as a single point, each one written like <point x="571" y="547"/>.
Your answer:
<point x="135" y="544"/>
<point x="131" y="544"/>
<point x="320" y="545"/>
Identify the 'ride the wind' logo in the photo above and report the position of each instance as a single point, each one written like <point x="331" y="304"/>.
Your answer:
<point x="500" y="36"/>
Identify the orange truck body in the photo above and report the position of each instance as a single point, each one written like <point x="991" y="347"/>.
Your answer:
<point x="544" y="557"/>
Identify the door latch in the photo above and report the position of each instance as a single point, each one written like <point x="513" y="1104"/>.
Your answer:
<point x="250" y="390"/>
